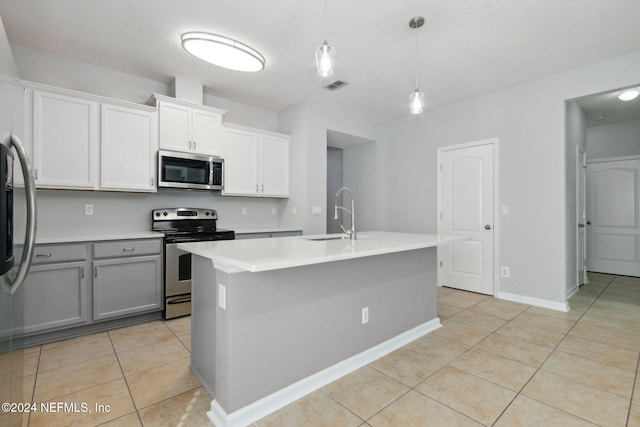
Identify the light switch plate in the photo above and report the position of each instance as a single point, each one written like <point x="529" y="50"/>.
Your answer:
<point x="222" y="296"/>
<point x="88" y="209"/>
<point x="316" y="210"/>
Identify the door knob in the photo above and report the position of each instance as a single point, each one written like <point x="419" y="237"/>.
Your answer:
<point x="487" y="227"/>
<point x="581" y="225"/>
<point x="588" y="222"/>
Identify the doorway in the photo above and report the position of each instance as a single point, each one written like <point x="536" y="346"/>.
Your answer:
<point x="609" y="132"/>
<point x="467" y="192"/>
<point x="352" y="161"/>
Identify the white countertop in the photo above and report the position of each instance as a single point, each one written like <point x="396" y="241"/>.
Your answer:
<point x="266" y="230"/>
<point x="284" y="252"/>
<point x="96" y="237"/>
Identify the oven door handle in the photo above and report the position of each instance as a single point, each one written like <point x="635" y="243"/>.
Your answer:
<point x="180" y="300"/>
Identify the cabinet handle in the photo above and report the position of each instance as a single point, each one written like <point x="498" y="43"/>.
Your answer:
<point x="35" y="173"/>
<point x="95" y="271"/>
<point x="263" y="188"/>
<point x="256" y="188"/>
<point x="195" y="145"/>
<point x="152" y="181"/>
<point x="128" y="249"/>
<point x="82" y="272"/>
<point x="44" y="255"/>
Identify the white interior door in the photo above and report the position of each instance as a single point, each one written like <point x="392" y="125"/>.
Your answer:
<point x="581" y="217"/>
<point x="467" y="211"/>
<point x="613" y="236"/>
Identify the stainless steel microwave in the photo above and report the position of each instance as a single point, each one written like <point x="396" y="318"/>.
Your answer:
<point x="188" y="170"/>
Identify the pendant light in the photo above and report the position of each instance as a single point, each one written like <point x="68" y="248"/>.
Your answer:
<point x="416" y="99"/>
<point x="325" y="55"/>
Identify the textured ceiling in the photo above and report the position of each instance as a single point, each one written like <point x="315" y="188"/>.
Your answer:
<point x="466" y="47"/>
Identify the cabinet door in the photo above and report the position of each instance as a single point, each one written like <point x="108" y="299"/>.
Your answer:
<point x="65" y="141"/>
<point x="175" y="127"/>
<point x="207" y="132"/>
<point x="274" y="166"/>
<point x="55" y="295"/>
<point x="126" y="286"/>
<point x="240" y="163"/>
<point x="128" y="144"/>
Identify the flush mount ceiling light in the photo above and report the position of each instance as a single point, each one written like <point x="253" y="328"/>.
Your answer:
<point x="223" y="52"/>
<point x="416" y="99"/>
<point x="629" y="95"/>
<point x="325" y="54"/>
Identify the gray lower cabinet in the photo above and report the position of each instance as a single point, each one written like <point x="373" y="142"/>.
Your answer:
<point x="55" y="292"/>
<point x="128" y="280"/>
<point x="77" y="284"/>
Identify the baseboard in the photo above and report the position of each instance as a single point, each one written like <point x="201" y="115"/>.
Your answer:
<point x="538" y="302"/>
<point x="281" y="398"/>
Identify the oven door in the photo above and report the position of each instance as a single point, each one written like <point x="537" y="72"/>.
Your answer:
<point x="177" y="271"/>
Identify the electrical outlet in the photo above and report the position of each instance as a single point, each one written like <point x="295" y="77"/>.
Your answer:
<point x="504" y="209"/>
<point x="88" y="209"/>
<point x="244" y="210"/>
<point x="504" y="271"/>
<point x="222" y="296"/>
<point x="365" y="315"/>
<point x="294" y="210"/>
<point x="274" y="209"/>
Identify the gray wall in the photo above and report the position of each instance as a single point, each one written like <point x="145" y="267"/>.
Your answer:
<point x="529" y="121"/>
<point x="360" y="172"/>
<point x="614" y="140"/>
<point x="7" y="64"/>
<point x="334" y="182"/>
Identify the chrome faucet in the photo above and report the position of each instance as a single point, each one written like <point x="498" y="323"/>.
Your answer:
<point x="352" y="232"/>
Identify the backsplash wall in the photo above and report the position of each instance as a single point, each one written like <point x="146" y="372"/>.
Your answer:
<point x="61" y="212"/>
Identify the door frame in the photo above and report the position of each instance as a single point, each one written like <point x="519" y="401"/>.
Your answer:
<point x="581" y="194"/>
<point x="495" y="142"/>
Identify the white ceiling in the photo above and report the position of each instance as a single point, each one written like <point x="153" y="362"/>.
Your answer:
<point x="606" y="108"/>
<point x="466" y="47"/>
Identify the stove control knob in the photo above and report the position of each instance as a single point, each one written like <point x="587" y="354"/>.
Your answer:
<point x="165" y="213"/>
<point x="157" y="213"/>
<point x="207" y="213"/>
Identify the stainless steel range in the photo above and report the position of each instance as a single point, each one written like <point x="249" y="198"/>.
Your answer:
<point x="183" y="225"/>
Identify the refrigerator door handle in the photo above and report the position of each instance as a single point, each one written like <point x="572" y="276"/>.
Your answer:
<point x="9" y="141"/>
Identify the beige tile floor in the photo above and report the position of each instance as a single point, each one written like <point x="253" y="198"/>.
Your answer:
<point x="493" y="363"/>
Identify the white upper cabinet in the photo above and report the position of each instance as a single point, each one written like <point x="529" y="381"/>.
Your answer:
<point x="128" y="147"/>
<point x="188" y="127"/>
<point x="86" y="142"/>
<point x="65" y="140"/>
<point x="256" y="162"/>
<point x="241" y="162"/>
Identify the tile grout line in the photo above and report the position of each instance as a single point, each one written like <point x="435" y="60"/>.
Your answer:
<point x="124" y="377"/>
<point x="539" y="368"/>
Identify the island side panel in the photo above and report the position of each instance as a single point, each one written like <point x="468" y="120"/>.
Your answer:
<point x="203" y="322"/>
<point x="284" y="325"/>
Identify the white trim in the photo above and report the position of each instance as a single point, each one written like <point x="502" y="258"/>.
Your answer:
<point x="538" y="302"/>
<point x="613" y="159"/>
<point x="271" y="403"/>
<point x="495" y="142"/>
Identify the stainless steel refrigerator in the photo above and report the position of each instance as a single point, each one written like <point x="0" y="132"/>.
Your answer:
<point x="15" y="251"/>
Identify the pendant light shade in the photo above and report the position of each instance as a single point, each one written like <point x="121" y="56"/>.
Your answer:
<point x="416" y="99"/>
<point x="223" y="51"/>
<point x="325" y="60"/>
<point x="416" y="102"/>
<point x="325" y="54"/>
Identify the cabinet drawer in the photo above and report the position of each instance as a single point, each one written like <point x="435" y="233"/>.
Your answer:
<point x="126" y="248"/>
<point x="46" y="254"/>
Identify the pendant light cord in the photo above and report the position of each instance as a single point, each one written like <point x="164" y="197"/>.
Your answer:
<point x="416" y="57"/>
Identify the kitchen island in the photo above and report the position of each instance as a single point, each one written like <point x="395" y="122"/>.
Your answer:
<point x="274" y="319"/>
